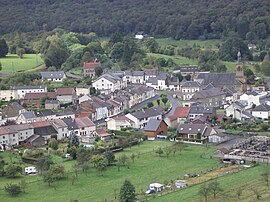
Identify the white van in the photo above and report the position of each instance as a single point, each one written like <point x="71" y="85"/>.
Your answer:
<point x="30" y="170"/>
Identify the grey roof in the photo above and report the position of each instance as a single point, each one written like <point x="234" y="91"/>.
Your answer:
<point x="52" y="102"/>
<point x="201" y="110"/>
<point x="218" y="78"/>
<point x="241" y="104"/>
<point x="70" y="123"/>
<point x="191" y="84"/>
<point x="26" y="87"/>
<point x="134" y="73"/>
<point x="162" y="76"/>
<point x="146" y="113"/>
<point x="65" y="113"/>
<point x="29" y="115"/>
<point x="52" y="75"/>
<point x="17" y="106"/>
<point x="111" y="77"/>
<point x="194" y="129"/>
<point x="46" y="112"/>
<point x="152" y="125"/>
<point x="262" y="107"/>
<point x="254" y="93"/>
<point x="209" y="93"/>
<point x="188" y="69"/>
<point x="152" y="80"/>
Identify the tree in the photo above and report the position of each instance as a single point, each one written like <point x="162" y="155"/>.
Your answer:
<point x="265" y="65"/>
<point x="266" y="175"/>
<point x="204" y="191"/>
<point x="74" y="141"/>
<point x="150" y="104"/>
<point x="12" y="170"/>
<point x="110" y="157"/>
<point x="56" y="172"/>
<point x="13" y="189"/>
<point x="167" y="151"/>
<point x="127" y="192"/>
<point x="53" y="143"/>
<point x="151" y="44"/>
<point x="83" y="156"/>
<point x="215" y="187"/>
<point x="100" y="162"/>
<point x="98" y="71"/>
<point x="3" y="48"/>
<point x="20" y="52"/>
<point x="123" y="160"/>
<point x="2" y="164"/>
<point x="159" y="151"/>
<point x="132" y="157"/>
<point x="1" y="66"/>
<point x="164" y="100"/>
<point x="43" y="163"/>
<point x="257" y="193"/>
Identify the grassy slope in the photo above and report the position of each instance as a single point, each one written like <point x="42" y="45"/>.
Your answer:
<point x="12" y="63"/>
<point x="247" y="180"/>
<point x="146" y="169"/>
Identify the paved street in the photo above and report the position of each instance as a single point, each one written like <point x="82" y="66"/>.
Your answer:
<point x="174" y="102"/>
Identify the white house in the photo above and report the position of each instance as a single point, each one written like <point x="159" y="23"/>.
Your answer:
<point x="237" y="110"/>
<point x="66" y="95"/>
<point x="141" y="118"/>
<point x="7" y="95"/>
<point x="136" y="77"/>
<point x="57" y="76"/>
<point x="87" y="129"/>
<point x="189" y="88"/>
<point x="261" y="111"/>
<point x="160" y="82"/>
<point x="108" y="83"/>
<point x="117" y="123"/>
<point x="22" y="90"/>
<point x="253" y="98"/>
<point x="61" y="127"/>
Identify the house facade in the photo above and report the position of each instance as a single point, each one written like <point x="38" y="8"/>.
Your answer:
<point x="23" y="90"/>
<point x="189" y="88"/>
<point x="116" y="123"/>
<point x="155" y="127"/>
<point x="57" y="76"/>
<point x="66" y="95"/>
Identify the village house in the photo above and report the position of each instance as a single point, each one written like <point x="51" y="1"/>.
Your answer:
<point x="141" y="118"/>
<point x="135" y="77"/>
<point x="173" y="84"/>
<point x="23" y="90"/>
<point x="231" y="95"/>
<point x="218" y="138"/>
<point x="253" y="98"/>
<point x="87" y="129"/>
<point x="104" y="136"/>
<point x="44" y="129"/>
<point x="26" y="117"/>
<point x="89" y="68"/>
<point x="180" y="115"/>
<point x="66" y="113"/>
<point x="188" y="70"/>
<point x="45" y="115"/>
<point x="261" y="111"/>
<point x="160" y="82"/>
<point x="82" y="90"/>
<point x="238" y="110"/>
<point x="52" y="104"/>
<point x="154" y="128"/>
<point x="66" y="95"/>
<point x="57" y="76"/>
<point x="189" y="88"/>
<point x="108" y="83"/>
<point x="12" y="111"/>
<point x="196" y="111"/>
<point x="194" y="133"/>
<point x="116" y="123"/>
<point x="38" y="99"/>
<point x="214" y="97"/>
<point x="61" y="127"/>
<point x="7" y="95"/>
<point x="73" y="129"/>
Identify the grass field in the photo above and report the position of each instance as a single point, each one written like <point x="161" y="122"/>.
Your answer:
<point x="204" y="44"/>
<point x="11" y="63"/>
<point x="247" y="180"/>
<point x="148" y="167"/>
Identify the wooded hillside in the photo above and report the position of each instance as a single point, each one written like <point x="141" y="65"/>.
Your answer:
<point x="180" y="19"/>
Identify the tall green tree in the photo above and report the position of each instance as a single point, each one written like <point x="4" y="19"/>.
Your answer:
<point x="265" y="66"/>
<point x="3" y="48"/>
<point x="127" y="192"/>
<point x="100" y="162"/>
<point x="13" y="170"/>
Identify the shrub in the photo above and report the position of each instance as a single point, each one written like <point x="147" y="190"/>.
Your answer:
<point x="13" y="189"/>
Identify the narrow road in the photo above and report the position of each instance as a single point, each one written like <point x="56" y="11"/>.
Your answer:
<point x="141" y="104"/>
<point x="174" y="102"/>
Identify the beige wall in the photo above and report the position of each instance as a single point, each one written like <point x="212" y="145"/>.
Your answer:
<point x="7" y="94"/>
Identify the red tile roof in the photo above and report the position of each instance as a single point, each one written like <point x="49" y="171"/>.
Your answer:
<point x="38" y="96"/>
<point x="182" y="112"/>
<point x="103" y="133"/>
<point x="40" y="124"/>
<point x="84" y="122"/>
<point x="91" y="65"/>
<point x="64" y="91"/>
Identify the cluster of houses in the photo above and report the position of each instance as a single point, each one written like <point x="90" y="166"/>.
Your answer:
<point x="202" y="95"/>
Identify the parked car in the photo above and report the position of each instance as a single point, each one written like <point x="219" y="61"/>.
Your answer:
<point x="192" y="175"/>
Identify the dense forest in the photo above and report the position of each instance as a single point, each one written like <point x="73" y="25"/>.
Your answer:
<point x="179" y="19"/>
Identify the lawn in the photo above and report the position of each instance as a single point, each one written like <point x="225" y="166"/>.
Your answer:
<point x="246" y="179"/>
<point x="148" y="167"/>
<point x="204" y="44"/>
<point x="11" y="63"/>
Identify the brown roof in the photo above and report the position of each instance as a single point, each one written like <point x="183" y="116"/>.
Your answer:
<point x="59" y="123"/>
<point x="40" y="124"/>
<point x="91" y="65"/>
<point x="38" y="96"/>
<point x="84" y="122"/>
<point x="3" y="131"/>
<point x="121" y="118"/>
<point x="182" y="112"/>
<point x="103" y="133"/>
<point x="172" y="117"/>
<point x="64" y="91"/>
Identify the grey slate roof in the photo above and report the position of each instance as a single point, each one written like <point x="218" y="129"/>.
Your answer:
<point x="191" y="84"/>
<point x="262" y="107"/>
<point x="194" y="129"/>
<point x="210" y="92"/>
<point x="52" y="75"/>
<point x="17" y="106"/>
<point x="46" y="112"/>
<point x="111" y="77"/>
<point x="218" y="78"/>
<point x="146" y="113"/>
<point x="29" y="115"/>
<point x="152" y="125"/>
<point x="70" y="123"/>
<point x="201" y="110"/>
<point x="254" y="93"/>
